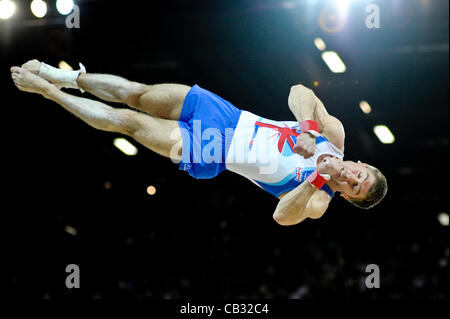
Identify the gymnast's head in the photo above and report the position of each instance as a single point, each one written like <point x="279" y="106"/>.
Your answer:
<point x="361" y="184"/>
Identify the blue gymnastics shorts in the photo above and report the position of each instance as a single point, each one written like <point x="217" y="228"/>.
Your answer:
<point x="207" y="123"/>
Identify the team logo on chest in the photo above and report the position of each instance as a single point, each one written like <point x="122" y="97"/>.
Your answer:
<point x="287" y="137"/>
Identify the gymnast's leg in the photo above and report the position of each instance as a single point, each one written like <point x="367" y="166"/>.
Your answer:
<point x="160" y="135"/>
<point x="159" y="100"/>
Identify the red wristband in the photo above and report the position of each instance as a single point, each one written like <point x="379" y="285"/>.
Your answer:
<point x="316" y="180"/>
<point x="310" y="126"/>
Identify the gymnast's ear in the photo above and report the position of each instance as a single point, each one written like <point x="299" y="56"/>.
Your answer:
<point x="345" y="196"/>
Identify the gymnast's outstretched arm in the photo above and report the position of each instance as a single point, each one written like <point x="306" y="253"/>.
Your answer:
<point x="305" y="105"/>
<point x="304" y="201"/>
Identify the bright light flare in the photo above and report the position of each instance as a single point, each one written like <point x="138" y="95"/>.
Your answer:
<point x="334" y="62"/>
<point x="443" y="219"/>
<point x="151" y="190"/>
<point x="70" y="230"/>
<point x="342" y="7"/>
<point x="320" y="44"/>
<point x="365" y="107"/>
<point x="39" y="8"/>
<point x="63" y="65"/>
<point x="125" y="146"/>
<point x="64" y="6"/>
<point x="384" y="134"/>
<point x="7" y="9"/>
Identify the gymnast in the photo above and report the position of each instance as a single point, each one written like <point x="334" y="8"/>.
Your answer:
<point x="300" y="162"/>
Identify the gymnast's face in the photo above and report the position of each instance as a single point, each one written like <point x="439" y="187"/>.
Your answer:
<point x="354" y="179"/>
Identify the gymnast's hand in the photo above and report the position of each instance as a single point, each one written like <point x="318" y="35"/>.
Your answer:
<point x="306" y="145"/>
<point x="330" y="165"/>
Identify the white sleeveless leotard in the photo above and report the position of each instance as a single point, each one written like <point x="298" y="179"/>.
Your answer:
<point x="262" y="150"/>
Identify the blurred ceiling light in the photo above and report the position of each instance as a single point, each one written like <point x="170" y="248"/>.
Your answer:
<point x="64" y="6"/>
<point x="39" y="8"/>
<point x="334" y="62"/>
<point x="151" y="190"/>
<point x="7" y="9"/>
<point x="320" y="44"/>
<point x="63" y="65"/>
<point x="443" y="219"/>
<point x="342" y="6"/>
<point x="384" y="134"/>
<point x="365" y="107"/>
<point x="125" y="146"/>
<point x="70" y="230"/>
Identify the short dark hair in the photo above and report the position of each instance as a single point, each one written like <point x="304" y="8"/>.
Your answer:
<point x="376" y="192"/>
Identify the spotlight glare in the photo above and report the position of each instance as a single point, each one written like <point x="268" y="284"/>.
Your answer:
<point x="320" y="44"/>
<point x="64" y="6"/>
<point x="365" y="107"/>
<point x="63" y="65"/>
<point x="151" y="190"/>
<point x="334" y="62"/>
<point x="7" y="9"/>
<point x="384" y="134"/>
<point x="39" y="8"/>
<point x="443" y="219"/>
<point x="70" y="230"/>
<point x="125" y="146"/>
<point x="342" y="7"/>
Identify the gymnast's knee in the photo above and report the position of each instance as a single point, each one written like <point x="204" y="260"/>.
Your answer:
<point x="153" y="96"/>
<point x="134" y="93"/>
<point x="125" y="121"/>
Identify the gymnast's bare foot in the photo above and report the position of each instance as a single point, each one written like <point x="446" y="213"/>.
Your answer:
<point x="33" y="66"/>
<point x="30" y="82"/>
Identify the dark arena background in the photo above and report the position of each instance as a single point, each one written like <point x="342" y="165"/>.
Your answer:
<point x="70" y="196"/>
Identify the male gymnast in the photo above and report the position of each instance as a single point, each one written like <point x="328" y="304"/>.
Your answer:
<point x="300" y="162"/>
